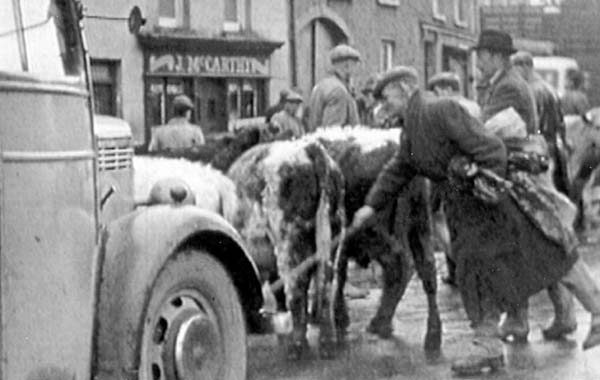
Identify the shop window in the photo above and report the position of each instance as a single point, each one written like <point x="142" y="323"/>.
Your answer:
<point x="173" y="13"/>
<point x="461" y="12"/>
<point x="438" y="13"/>
<point x="104" y="79"/>
<point x="387" y="55"/>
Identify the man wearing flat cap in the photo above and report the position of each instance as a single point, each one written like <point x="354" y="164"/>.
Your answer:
<point x="502" y="257"/>
<point x="285" y="123"/>
<point x="178" y="136"/>
<point x="447" y="84"/>
<point x="506" y="87"/>
<point x="331" y="102"/>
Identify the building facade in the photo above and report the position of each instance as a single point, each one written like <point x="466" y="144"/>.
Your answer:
<point x="227" y="56"/>
<point x="430" y="35"/>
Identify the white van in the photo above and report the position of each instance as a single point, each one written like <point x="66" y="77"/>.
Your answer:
<point x="554" y="70"/>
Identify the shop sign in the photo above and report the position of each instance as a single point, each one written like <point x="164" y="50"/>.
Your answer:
<point x="207" y="65"/>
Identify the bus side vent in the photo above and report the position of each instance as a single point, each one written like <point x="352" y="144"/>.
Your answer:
<point x="115" y="155"/>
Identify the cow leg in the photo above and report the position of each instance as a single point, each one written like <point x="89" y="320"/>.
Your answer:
<point x="422" y="250"/>
<point x="295" y="288"/>
<point x="340" y="308"/>
<point x="397" y="271"/>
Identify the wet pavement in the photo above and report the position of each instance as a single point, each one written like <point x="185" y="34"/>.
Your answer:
<point x="402" y="357"/>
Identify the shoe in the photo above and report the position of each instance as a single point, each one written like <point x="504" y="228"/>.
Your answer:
<point x="485" y="354"/>
<point x="352" y="292"/>
<point x="558" y="330"/>
<point x="515" y="327"/>
<point x="593" y="337"/>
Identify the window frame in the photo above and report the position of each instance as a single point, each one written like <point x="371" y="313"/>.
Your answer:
<point x="437" y="12"/>
<point x="386" y="58"/>
<point x="173" y="22"/>
<point x="230" y="25"/>
<point x="458" y="5"/>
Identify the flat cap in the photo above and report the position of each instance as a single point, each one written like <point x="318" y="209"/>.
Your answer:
<point x="293" y="96"/>
<point x="444" y="79"/>
<point x="182" y="102"/>
<point x="522" y="58"/>
<point x="343" y="52"/>
<point x="394" y="74"/>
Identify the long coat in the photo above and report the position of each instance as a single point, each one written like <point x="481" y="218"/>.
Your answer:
<point x="499" y="251"/>
<point x="509" y="89"/>
<point x="331" y="104"/>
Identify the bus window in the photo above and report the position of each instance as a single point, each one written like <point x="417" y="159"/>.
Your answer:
<point x="9" y="46"/>
<point x="42" y="36"/>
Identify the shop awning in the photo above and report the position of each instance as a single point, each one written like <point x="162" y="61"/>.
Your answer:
<point x="247" y="44"/>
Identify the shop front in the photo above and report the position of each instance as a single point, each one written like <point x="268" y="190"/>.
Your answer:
<point x="226" y="80"/>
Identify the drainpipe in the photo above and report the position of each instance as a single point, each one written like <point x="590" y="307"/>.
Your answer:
<point x="292" y="41"/>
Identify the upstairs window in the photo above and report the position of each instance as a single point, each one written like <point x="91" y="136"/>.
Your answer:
<point x="461" y="12"/>
<point x="438" y="13"/>
<point x="232" y="23"/>
<point x="387" y="55"/>
<point x="171" y="13"/>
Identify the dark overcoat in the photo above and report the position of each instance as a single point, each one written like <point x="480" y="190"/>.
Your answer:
<point x="509" y="89"/>
<point x="497" y="247"/>
<point x="331" y="104"/>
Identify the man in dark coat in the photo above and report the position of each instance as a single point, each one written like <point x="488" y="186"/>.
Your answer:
<point x="552" y="127"/>
<point x="502" y="257"/>
<point x="331" y="102"/>
<point x="506" y="87"/>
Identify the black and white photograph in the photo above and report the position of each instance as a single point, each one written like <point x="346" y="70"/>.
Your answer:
<point x="299" y="189"/>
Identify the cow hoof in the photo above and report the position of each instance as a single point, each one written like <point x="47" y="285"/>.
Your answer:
<point x="327" y="349"/>
<point x="384" y="331"/>
<point x="433" y="338"/>
<point x="297" y="350"/>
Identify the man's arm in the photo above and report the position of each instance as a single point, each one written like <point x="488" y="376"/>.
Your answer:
<point x="396" y="174"/>
<point x="486" y="149"/>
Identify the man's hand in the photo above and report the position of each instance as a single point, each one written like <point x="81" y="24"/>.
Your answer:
<point x="361" y="216"/>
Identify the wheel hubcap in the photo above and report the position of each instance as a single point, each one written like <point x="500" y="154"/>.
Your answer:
<point x="185" y="340"/>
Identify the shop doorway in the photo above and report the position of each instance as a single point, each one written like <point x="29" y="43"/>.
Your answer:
<point x="456" y="60"/>
<point x="211" y="104"/>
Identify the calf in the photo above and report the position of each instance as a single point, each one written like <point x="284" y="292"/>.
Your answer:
<point x="211" y="189"/>
<point x="285" y="190"/>
<point x="583" y="141"/>
<point x="401" y="229"/>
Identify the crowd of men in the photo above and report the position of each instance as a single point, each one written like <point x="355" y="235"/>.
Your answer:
<point x="501" y="255"/>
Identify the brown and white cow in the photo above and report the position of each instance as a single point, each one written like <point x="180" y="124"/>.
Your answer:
<point x="291" y="201"/>
<point x="401" y="229"/>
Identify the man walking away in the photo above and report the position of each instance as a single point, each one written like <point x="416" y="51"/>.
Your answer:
<point x="331" y="102"/>
<point x="178" y="136"/>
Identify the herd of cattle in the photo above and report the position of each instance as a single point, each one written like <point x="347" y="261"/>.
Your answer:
<point x="285" y="197"/>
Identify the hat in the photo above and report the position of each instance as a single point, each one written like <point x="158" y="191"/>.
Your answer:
<point x="444" y="79"/>
<point x="293" y="96"/>
<point x="394" y="74"/>
<point x="182" y="102"/>
<point x="495" y="40"/>
<point x="343" y="52"/>
<point x="522" y="58"/>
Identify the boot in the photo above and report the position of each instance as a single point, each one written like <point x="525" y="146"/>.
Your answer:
<point x="483" y="353"/>
<point x="580" y="282"/>
<point x="564" y="313"/>
<point x="516" y="325"/>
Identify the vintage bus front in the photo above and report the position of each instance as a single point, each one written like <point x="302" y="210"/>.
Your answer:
<point x="48" y="212"/>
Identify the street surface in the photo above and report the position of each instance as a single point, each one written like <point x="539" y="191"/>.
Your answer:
<point x="368" y="357"/>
